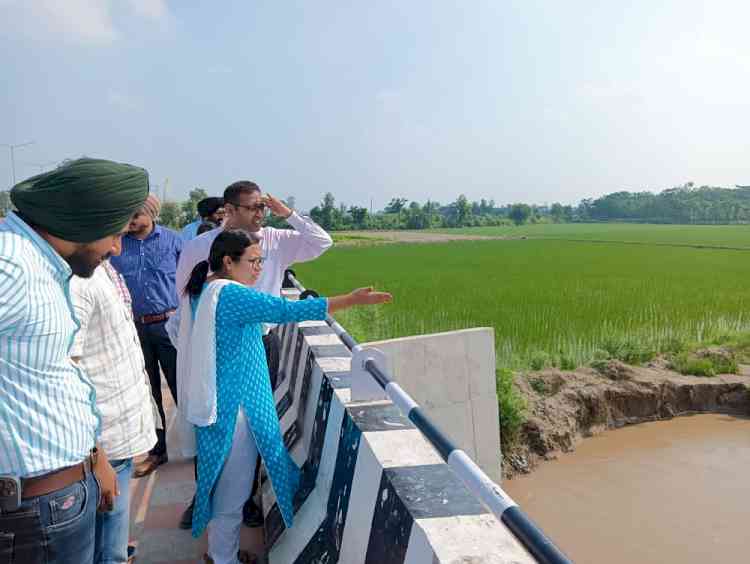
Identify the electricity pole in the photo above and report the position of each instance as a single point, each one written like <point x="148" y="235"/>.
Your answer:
<point x="12" y="148"/>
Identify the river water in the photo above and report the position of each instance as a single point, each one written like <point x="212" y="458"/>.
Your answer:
<point x="673" y="491"/>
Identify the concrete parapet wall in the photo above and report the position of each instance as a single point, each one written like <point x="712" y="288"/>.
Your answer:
<point x="452" y="377"/>
<point x="373" y="489"/>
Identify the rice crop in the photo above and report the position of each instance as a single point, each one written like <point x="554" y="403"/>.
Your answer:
<point x="545" y="298"/>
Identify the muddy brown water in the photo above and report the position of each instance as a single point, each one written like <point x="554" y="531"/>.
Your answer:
<point x="663" y="492"/>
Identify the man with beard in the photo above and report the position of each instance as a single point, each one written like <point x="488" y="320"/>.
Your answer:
<point x="148" y="263"/>
<point x="68" y="222"/>
<point x="211" y="211"/>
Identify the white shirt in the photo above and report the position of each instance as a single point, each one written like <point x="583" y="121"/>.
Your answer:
<point x="280" y="247"/>
<point x="110" y="353"/>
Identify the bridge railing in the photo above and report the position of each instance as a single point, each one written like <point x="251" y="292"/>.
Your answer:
<point x="479" y="484"/>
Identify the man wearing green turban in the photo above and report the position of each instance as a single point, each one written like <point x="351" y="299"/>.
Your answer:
<point x="79" y="207"/>
<point x="68" y="222"/>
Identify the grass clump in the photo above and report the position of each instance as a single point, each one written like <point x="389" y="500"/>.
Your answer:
<point x="539" y="386"/>
<point x="539" y="360"/>
<point x="688" y="364"/>
<point x="511" y="405"/>
<point x="567" y="362"/>
<point x="630" y="351"/>
<point x="707" y="362"/>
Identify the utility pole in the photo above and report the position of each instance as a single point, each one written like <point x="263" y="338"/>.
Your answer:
<point x="12" y="148"/>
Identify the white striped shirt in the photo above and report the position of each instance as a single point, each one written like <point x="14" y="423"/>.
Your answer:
<point x="48" y="415"/>
<point x="110" y="354"/>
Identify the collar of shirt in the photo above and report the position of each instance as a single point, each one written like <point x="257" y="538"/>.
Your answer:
<point x="15" y="224"/>
<point x="155" y="232"/>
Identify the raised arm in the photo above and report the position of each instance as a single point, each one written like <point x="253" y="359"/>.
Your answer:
<point x="307" y="241"/>
<point x="250" y="306"/>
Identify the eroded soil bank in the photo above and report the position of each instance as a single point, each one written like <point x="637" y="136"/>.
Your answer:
<point x="565" y="407"/>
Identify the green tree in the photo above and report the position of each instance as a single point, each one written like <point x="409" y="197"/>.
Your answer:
<point x="557" y="212"/>
<point x="462" y="210"/>
<point x="395" y="205"/>
<point x="170" y="215"/>
<point x="190" y="207"/>
<point x="325" y="214"/>
<point x="5" y="205"/>
<point x="416" y="218"/>
<point x="520" y="213"/>
<point x="360" y="217"/>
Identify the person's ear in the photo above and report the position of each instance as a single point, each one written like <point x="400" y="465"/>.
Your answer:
<point x="228" y="264"/>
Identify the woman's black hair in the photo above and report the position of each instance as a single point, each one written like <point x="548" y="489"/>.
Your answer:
<point x="230" y="243"/>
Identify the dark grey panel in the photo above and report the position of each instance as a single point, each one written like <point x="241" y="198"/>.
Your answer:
<point x="324" y="351"/>
<point x="340" y="379"/>
<point x="304" y="391"/>
<point x="432" y="490"/>
<point x="315" y="452"/>
<point x="284" y="404"/>
<point x="391" y="527"/>
<point x="317" y="330"/>
<point x="384" y="417"/>
<point x="325" y="545"/>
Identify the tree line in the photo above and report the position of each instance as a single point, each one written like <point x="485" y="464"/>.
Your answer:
<point x="686" y="204"/>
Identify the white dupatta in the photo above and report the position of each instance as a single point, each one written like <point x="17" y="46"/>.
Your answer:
<point x="196" y="365"/>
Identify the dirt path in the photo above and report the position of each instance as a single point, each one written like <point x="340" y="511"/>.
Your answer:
<point x="345" y="238"/>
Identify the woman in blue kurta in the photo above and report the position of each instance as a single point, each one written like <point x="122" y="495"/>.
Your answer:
<point x="243" y="408"/>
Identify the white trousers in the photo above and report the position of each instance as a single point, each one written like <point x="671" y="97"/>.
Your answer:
<point x="231" y="492"/>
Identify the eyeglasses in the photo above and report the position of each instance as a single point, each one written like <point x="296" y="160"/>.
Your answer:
<point x="256" y="262"/>
<point x="257" y="208"/>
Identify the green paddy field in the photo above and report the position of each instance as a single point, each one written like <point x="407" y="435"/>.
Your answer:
<point x="557" y="294"/>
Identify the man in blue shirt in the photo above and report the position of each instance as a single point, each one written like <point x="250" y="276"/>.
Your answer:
<point x="210" y="211"/>
<point x="148" y="263"/>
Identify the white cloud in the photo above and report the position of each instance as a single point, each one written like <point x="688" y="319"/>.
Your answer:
<point x="74" y="21"/>
<point x="87" y="21"/>
<point x="151" y="9"/>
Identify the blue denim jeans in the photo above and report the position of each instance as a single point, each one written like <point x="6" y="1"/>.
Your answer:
<point x="56" y="528"/>
<point x="112" y="529"/>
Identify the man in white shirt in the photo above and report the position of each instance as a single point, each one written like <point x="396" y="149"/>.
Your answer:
<point x="108" y="350"/>
<point x="245" y="208"/>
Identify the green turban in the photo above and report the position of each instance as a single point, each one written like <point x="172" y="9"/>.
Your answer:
<point x="83" y="200"/>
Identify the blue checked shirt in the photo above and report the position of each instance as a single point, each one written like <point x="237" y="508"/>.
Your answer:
<point x="48" y="415"/>
<point x="149" y="268"/>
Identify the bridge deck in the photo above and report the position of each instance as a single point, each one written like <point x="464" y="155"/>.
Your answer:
<point x="157" y="502"/>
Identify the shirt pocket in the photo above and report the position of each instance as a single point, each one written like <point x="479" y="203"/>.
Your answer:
<point x="127" y="263"/>
<point x="161" y="258"/>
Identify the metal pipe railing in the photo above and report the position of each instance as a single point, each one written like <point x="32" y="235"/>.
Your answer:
<point x="478" y="483"/>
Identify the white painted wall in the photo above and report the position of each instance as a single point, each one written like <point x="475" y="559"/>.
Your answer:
<point x="452" y="377"/>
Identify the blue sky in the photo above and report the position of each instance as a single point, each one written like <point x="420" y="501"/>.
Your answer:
<point x="516" y="101"/>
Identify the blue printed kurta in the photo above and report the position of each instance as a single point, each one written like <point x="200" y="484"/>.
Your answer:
<point x="242" y="381"/>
